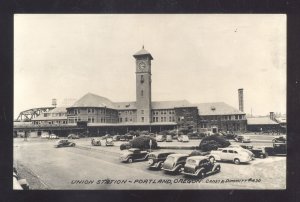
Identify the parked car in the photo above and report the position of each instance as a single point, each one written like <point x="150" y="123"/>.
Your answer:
<point x="179" y="138"/>
<point x="156" y="159"/>
<point x="53" y="136"/>
<point x="169" y="138"/>
<point x="96" y="142"/>
<point x="200" y="166"/>
<point x="116" y="137"/>
<point x="64" y="143"/>
<point x="134" y="154"/>
<point x="122" y="138"/>
<point x="174" y="163"/>
<point x="160" y="138"/>
<point x="45" y="135"/>
<point x="73" y="136"/>
<point x="242" y="138"/>
<point x="231" y="154"/>
<point x="280" y="139"/>
<point x="246" y="148"/>
<point x="109" y="142"/>
<point x="259" y="152"/>
<point x="185" y="138"/>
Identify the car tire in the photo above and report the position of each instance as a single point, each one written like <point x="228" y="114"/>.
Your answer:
<point x="237" y="161"/>
<point x="262" y="156"/>
<point x="201" y="174"/>
<point x="218" y="169"/>
<point x="130" y="160"/>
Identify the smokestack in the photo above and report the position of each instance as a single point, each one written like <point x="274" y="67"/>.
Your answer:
<point x="272" y="117"/>
<point x="241" y="99"/>
<point x="54" y="102"/>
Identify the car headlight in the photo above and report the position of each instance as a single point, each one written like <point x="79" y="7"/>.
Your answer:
<point x="150" y="162"/>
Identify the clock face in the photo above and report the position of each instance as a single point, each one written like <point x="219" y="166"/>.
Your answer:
<point x="142" y="65"/>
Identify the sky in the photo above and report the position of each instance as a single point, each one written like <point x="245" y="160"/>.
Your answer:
<point x="198" y="57"/>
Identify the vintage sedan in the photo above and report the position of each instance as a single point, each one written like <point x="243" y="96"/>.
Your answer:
<point x="160" y="138"/>
<point x="242" y="138"/>
<point x="64" y="143"/>
<point x="185" y="138"/>
<point x="109" y="142"/>
<point x="156" y="159"/>
<point x="174" y="163"/>
<point x="53" y="136"/>
<point x="169" y="138"/>
<point x="134" y="154"/>
<point x="96" y="142"/>
<point x="200" y="166"/>
<point x="73" y="136"/>
<point x="232" y="154"/>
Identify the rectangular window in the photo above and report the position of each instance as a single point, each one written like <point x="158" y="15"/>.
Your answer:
<point x="236" y="117"/>
<point x="170" y="119"/>
<point x="161" y="119"/>
<point x="153" y="119"/>
<point x="165" y="119"/>
<point x="142" y="111"/>
<point x="126" y="119"/>
<point x="142" y="119"/>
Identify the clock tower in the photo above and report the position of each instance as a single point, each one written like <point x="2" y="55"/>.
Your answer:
<point x="143" y="85"/>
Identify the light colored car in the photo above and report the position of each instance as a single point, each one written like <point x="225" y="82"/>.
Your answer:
<point x="242" y="148"/>
<point x="169" y="138"/>
<point x="185" y="138"/>
<point x="174" y="163"/>
<point x="45" y="135"/>
<point x="235" y="155"/>
<point x="242" y="138"/>
<point x="53" y="136"/>
<point x="134" y="154"/>
<point x="160" y="138"/>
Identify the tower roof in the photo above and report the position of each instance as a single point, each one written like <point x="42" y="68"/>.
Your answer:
<point x="142" y="52"/>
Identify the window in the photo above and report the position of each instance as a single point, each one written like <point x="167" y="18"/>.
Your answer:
<point x="170" y="119"/>
<point x="153" y="119"/>
<point x="161" y="119"/>
<point x="142" y="93"/>
<point x="142" y="119"/>
<point x="236" y="117"/>
<point x="156" y="119"/>
<point x="224" y="151"/>
<point x="165" y="119"/>
<point x="240" y="116"/>
<point x="126" y="119"/>
<point x="142" y="111"/>
<point x="142" y="78"/>
<point x="91" y="110"/>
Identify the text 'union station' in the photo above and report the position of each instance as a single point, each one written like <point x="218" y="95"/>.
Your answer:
<point x="104" y="115"/>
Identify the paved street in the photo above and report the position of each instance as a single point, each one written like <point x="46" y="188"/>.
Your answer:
<point x="87" y="167"/>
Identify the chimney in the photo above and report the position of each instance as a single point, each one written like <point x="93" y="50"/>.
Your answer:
<point x="241" y="99"/>
<point x="272" y="117"/>
<point x="54" y="102"/>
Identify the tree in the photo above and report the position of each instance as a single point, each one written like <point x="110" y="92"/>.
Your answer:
<point x="213" y="142"/>
<point x="142" y="142"/>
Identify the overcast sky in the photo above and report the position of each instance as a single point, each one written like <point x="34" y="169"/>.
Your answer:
<point x="200" y="58"/>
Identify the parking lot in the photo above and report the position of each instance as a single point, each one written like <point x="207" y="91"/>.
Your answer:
<point x="90" y="167"/>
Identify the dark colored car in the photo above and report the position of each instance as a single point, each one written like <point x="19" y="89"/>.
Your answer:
<point x="200" y="166"/>
<point x="64" y="143"/>
<point x="259" y="152"/>
<point x="174" y="162"/>
<point x="122" y="138"/>
<point x="280" y="139"/>
<point x="134" y="154"/>
<point x="73" y="136"/>
<point x="96" y="142"/>
<point x="156" y="159"/>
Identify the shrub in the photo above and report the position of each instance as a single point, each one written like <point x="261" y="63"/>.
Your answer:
<point x="125" y="146"/>
<point x="213" y="142"/>
<point x="198" y="153"/>
<point x="142" y="142"/>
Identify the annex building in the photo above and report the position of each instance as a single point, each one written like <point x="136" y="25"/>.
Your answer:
<point x="102" y="114"/>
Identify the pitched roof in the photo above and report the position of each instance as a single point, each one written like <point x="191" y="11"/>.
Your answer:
<point x="125" y="105"/>
<point x="260" y="121"/>
<point x="281" y="119"/>
<point x="170" y="104"/>
<point x="92" y="100"/>
<point x="143" y="52"/>
<point x="58" y="110"/>
<point x="217" y="108"/>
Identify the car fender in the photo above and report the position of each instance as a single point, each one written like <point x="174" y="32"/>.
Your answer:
<point x="199" y="170"/>
<point x="215" y="166"/>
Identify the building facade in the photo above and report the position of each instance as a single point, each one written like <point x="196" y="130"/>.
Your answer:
<point x="99" y="111"/>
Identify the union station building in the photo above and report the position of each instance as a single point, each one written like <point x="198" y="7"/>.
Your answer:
<point x="102" y="114"/>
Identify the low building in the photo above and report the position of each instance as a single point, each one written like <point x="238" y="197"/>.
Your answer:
<point x="219" y="116"/>
<point x="262" y="124"/>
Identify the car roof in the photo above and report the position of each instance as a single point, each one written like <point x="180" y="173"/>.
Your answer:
<point x="157" y="153"/>
<point x="198" y="157"/>
<point x="133" y="149"/>
<point x="178" y="155"/>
